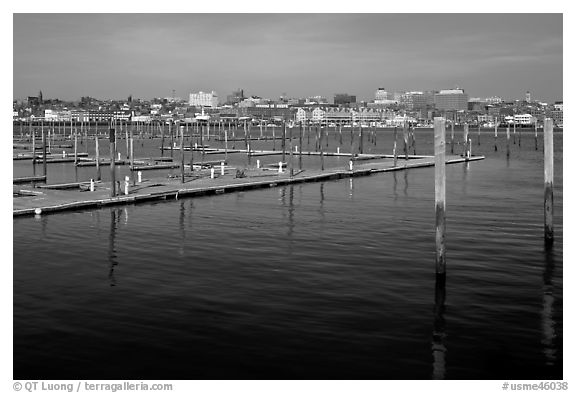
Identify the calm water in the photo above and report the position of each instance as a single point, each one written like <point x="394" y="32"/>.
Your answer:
<point x="327" y="280"/>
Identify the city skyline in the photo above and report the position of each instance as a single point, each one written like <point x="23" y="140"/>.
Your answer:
<point x="111" y="56"/>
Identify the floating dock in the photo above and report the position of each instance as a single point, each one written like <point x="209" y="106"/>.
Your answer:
<point x="29" y="201"/>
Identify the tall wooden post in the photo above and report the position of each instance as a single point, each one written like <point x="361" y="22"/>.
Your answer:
<point x="128" y="154"/>
<point x="246" y="137"/>
<point x="44" y="150"/>
<point x="161" y="138"/>
<point x="405" y="136"/>
<point x="131" y="153"/>
<point x="452" y="136"/>
<point x="181" y="151"/>
<point x="536" y="134"/>
<point x="112" y="162"/>
<point x="361" y="143"/>
<point x="300" y="147"/>
<point x="495" y="135"/>
<point x="514" y="131"/>
<point x="283" y="141"/>
<point x="75" y="147"/>
<point x="466" y="154"/>
<point x="97" y="152"/>
<point x="440" y="193"/>
<point x="508" y="141"/>
<point x="291" y="154"/>
<point x="33" y="136"/>
<point x="171" y="139"/>
<point x="548" y="182"/>
<point x="478" y="133"/>
<point x="394" y="150"/>
<point x="321" y="148"/>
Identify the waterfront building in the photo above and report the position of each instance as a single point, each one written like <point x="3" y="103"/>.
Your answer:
<point x="267" y="112"/>
<point x="524" y="119"/>
<point x="318" y="115"/>
<point x="303" y="115"/>
<point x="204" y="99"/>
<point x="338" y="115"/>
<point x="451" y="100"/>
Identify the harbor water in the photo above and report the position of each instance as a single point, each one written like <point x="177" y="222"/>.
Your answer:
<point x="327" y="280"/>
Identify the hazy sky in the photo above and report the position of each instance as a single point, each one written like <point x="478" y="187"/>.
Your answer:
<point x="147" y="55"/>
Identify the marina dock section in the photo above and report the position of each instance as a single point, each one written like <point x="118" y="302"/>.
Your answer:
<point x="31" y="200"/>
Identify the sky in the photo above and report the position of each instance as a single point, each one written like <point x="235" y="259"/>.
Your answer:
<point x="68" y="56"/>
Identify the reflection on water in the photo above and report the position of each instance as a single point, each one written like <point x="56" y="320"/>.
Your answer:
<point x="439" y="333"/>
<point x="331" y="284"/>
<point x="548" y="324"/>
<point x="115" y="216"/>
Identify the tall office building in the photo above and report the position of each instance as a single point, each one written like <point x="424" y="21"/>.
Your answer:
<point x="451" y="100"/>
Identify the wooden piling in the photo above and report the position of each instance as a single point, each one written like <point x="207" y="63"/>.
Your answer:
<point x="182" y="152"/>
<point x="97" y="153"/>
<point x="283" y="141"/>
<point x="536" y="134"/>
<point x="440" y="193"/>
<point x="466" y="154"/>
<point x="361" y="142"/>
<point x="508" y="142"/>
<point x="452" y="136"/>
<point x="161" y="139"/>
<point x="44" y="152"/>
<point x="514" y="131"/>
<point x="495" y="135"/>
<point x="33" y="135"/>
<point x="127" y="141"/>
<point x="321" y="149"/>
<point x="112" y="162"/>
<point x="478" y="133"/>
<point x="171" y="139"/>
<point x="301" y="148"/>
<point x="548" y="181"/>
<point x="405" y="137"/>
<point x="131" y="136"/>
<point x="75" y="147"/>
<point x="291" y="154"/>
<point x="394" y="150"/>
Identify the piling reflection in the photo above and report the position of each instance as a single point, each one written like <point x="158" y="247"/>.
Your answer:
<point x="115" y="216"/>
<point x="182" y="227"/>
<point x="405" y="182"/>
<point x="351" y="188"/>
<point x="395" y="186"/>
<point x="548" y="323"/>
<point x="439" y="332"/>
<point x="290" y="219"/>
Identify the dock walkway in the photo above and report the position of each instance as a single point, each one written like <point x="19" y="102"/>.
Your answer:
<point x="27" y="199"/>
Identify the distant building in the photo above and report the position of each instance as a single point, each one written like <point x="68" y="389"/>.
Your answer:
<point x="414" y="100"/>
<point x="451" y="100"/>
<point x="528" y="97"/>
<point x="524" y="119"/>
<point x="344" y="99"/>
<point x="381" y="94"/>
<point x="204" y="99"/>
<point x="236" y="97"/>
